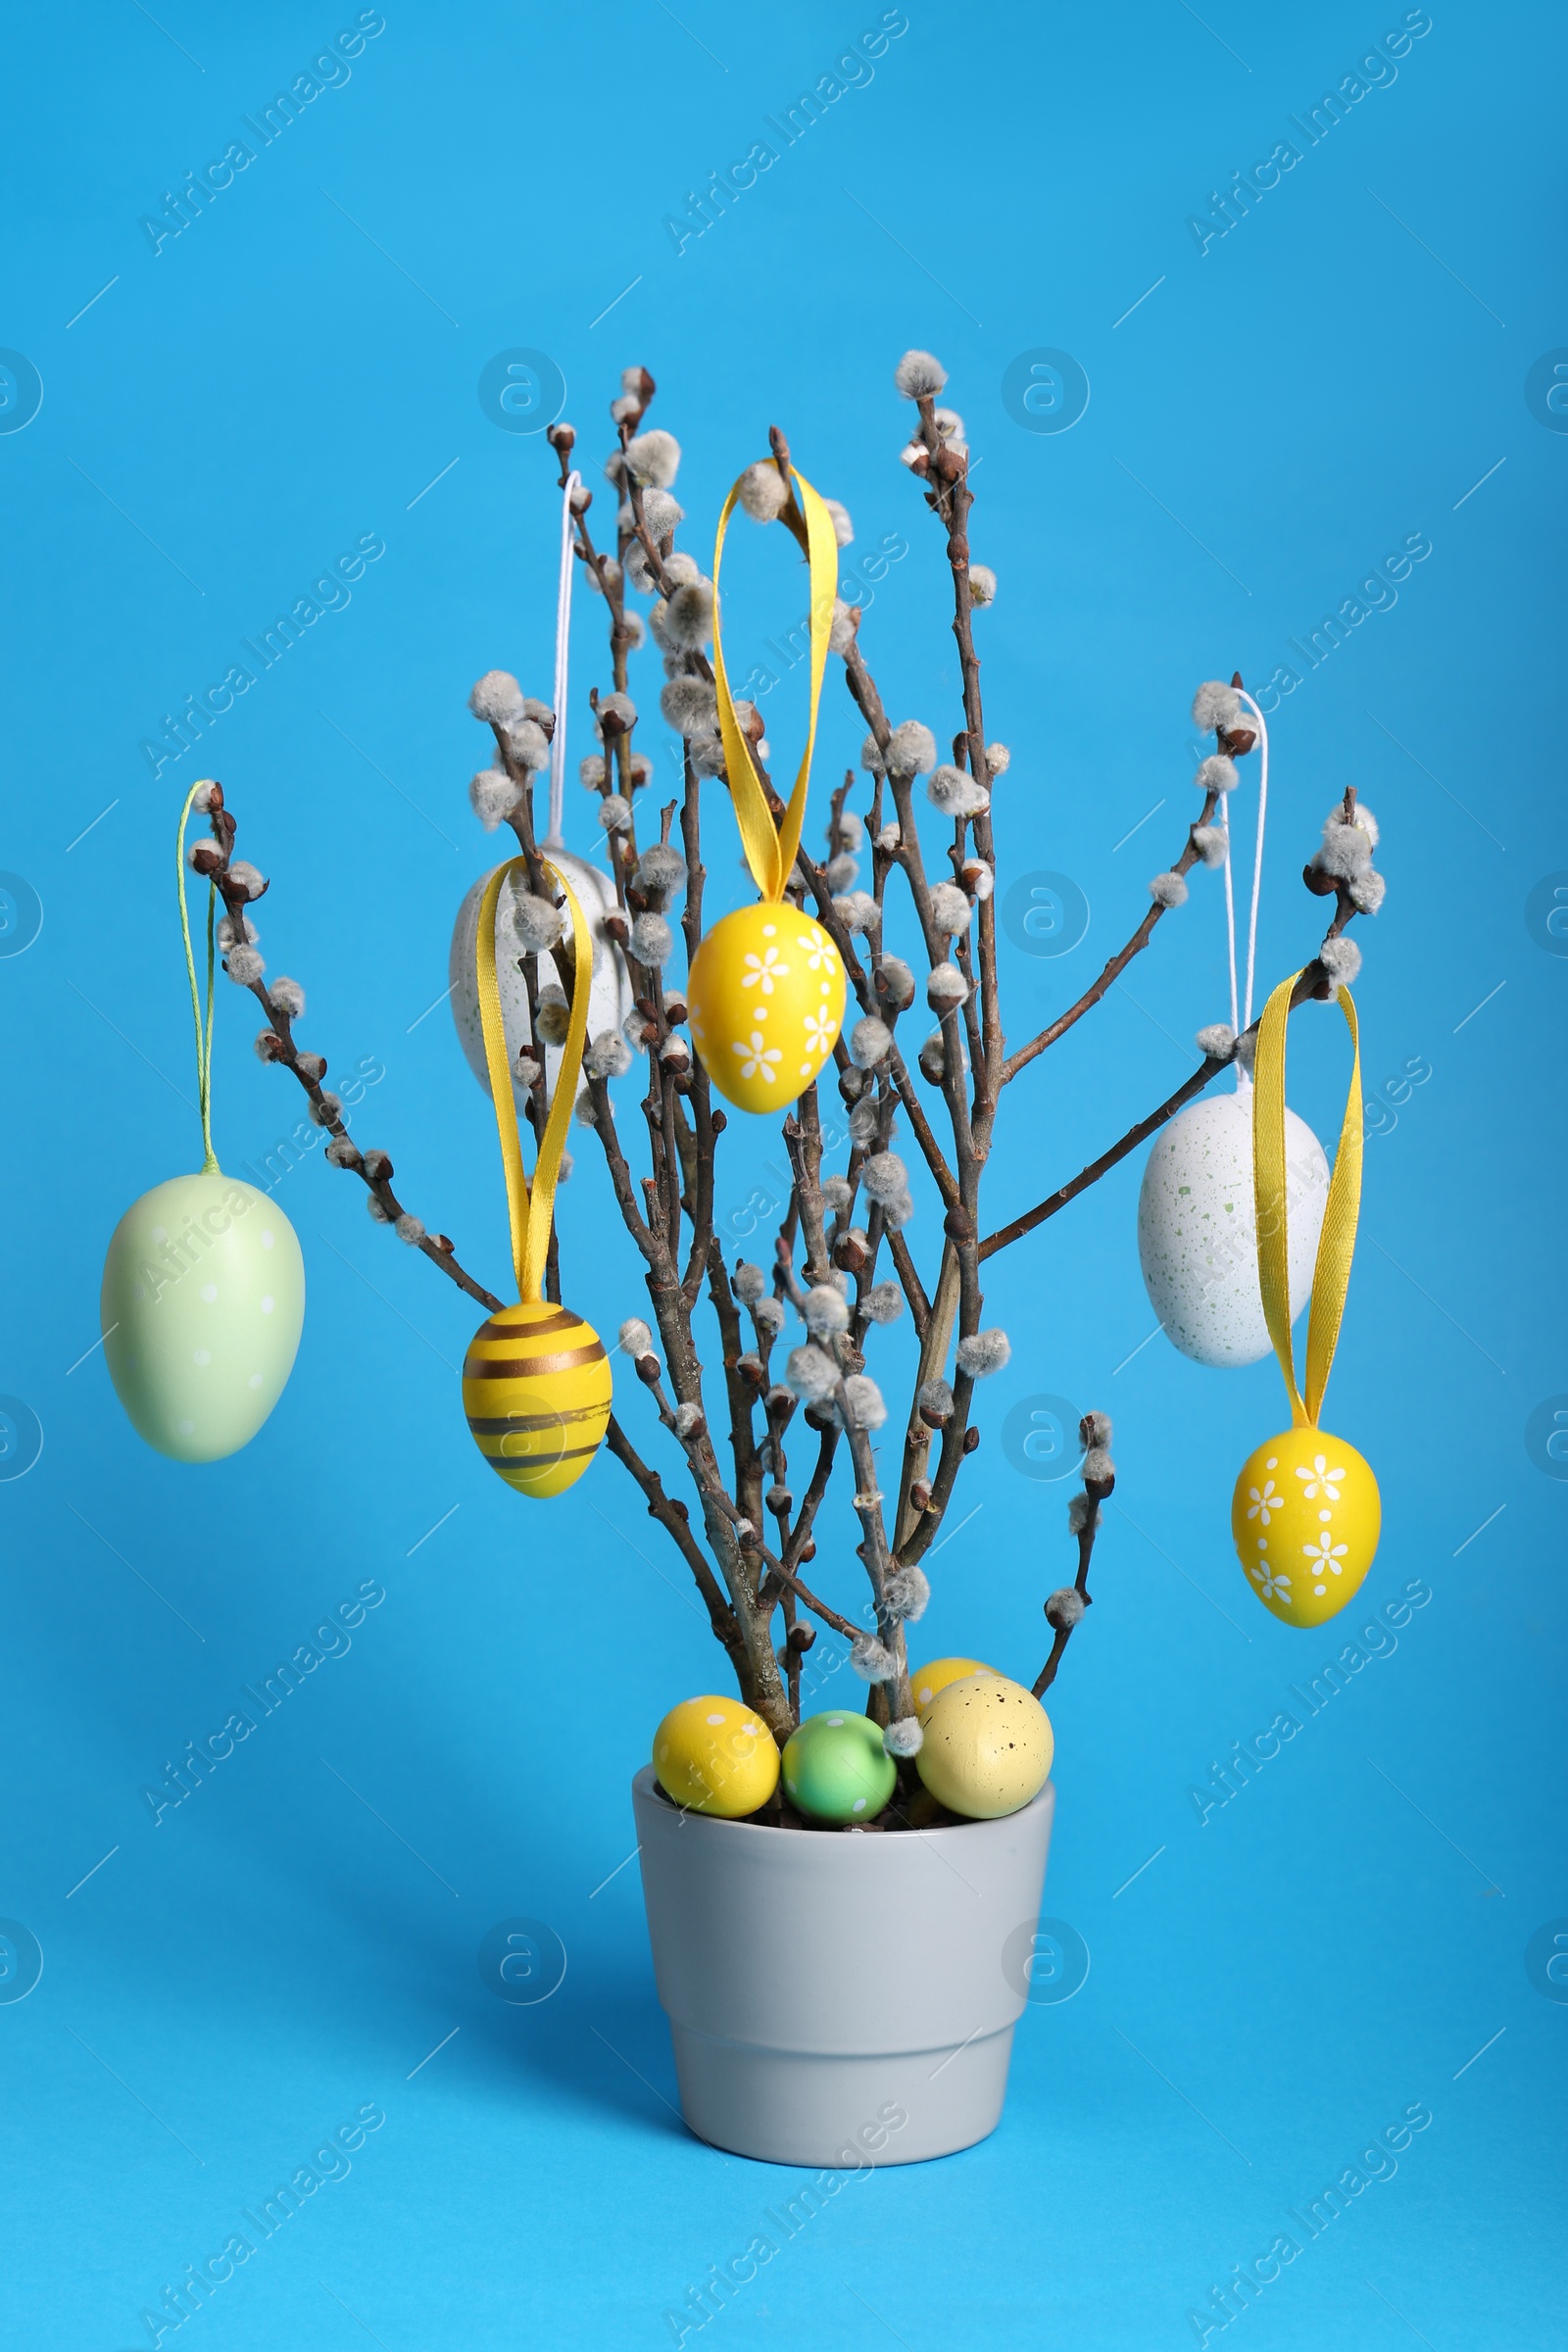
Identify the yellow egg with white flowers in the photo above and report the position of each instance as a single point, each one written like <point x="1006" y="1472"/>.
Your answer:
<point x="765" y="995"/>
<point x="715" y="1756"/>
<point x="1306" y="1517"/>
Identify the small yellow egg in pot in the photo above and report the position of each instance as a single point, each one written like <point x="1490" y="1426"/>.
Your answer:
<point x="988" y="1746"/>
<point x="938" y="1675"/>
<point x="715" y="1756"/>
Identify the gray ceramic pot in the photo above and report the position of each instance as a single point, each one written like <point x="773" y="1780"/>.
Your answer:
<point x="835" y="1998"/>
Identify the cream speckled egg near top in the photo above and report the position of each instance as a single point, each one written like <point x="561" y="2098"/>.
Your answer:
<point x="610" y="998"/>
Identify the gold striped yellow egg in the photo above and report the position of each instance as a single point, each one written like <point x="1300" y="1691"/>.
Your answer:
<point x="536" y="1388"/>
<point x="765" y="993"/>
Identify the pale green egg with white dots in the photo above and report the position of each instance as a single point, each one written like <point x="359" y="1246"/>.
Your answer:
<point x="201" y="1306"/>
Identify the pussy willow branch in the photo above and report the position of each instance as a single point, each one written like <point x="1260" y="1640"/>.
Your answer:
<point x="224" y="828"/>
<point x="681" y="1182"/>
<point x="1312" y="984"/>
<point x="1113" y="970"/>
<point x="1236" y="745"/>
<point x="951" y="500"/>
<point x="924" y="1501"/>
<point x="671" y="1135"/>
<point x="669" y="1214"/>
<point x="1139" y="1133"/>
<point x="1096" y="1491"/>
<point x="861" y="984"/>
<point x="673" y="1516"/>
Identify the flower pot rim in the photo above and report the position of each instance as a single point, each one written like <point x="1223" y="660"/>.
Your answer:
<point x="645" y="1784"/>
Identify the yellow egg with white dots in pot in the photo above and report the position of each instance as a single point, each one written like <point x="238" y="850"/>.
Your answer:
<point x="1306" y="1517"/>
<point x="716" y="1755"/>
<point x="765" y="993"/>
<point x="927" y="1681"/>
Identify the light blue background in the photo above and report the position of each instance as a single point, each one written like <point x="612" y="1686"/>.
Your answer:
<point x="291" y="373"/>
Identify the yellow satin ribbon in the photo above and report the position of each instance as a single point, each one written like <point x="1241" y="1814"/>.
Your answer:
<point x="531" y="1210"/>
<point x="1331" y="1277"/>
<point x="770" y="851"/>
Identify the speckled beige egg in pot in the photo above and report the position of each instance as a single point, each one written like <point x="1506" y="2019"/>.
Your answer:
<point x="986" y="1745"/>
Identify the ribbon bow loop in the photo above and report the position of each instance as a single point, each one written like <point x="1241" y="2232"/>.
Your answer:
<point x="531" y="1209"/>
<point x="1331" y="1277"/>
<point x="770" y="851"/>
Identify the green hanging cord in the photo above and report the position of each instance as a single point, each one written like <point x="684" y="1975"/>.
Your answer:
<point x="207" y="1050"/>
<point x="203" y="1032"/>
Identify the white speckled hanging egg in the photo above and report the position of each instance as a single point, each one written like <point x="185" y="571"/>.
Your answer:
<point x="203" y="1303"/>
<point x="610" y="999"/>
<point x="1198" y="1233"/>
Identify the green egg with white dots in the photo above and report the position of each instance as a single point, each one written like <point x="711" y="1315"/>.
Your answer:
<point x="201" y="1306"/>
<point x="836" y="1769"/>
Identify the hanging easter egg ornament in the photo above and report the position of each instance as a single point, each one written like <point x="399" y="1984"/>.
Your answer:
<point x="203" y="1295"/>
<point x="766" y="989"/>
<point x="767" y="1003"/>
<point x="1305" y="1515"/>
<point x="536" y="1382"/>
<point x="1196" y="1243"/>
<point x="203" y="1300"/>
<point x="610" y="999"/>
<point x="715" y="1756"/>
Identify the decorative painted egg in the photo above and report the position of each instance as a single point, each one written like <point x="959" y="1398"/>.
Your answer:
<point x="202" y="1304"/>
<point x="536" y="1388"/>
<point x="1198" y="1229"/>
<point x="836" y="1769"/>
<point x="715" y="1756"/>
<point x="1306" y="1517"/>
<point x="610" y="999"/>
<point x="936" y="1677"/>
<point x="766" y="994"/>
<point x="988" y="1746"/>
